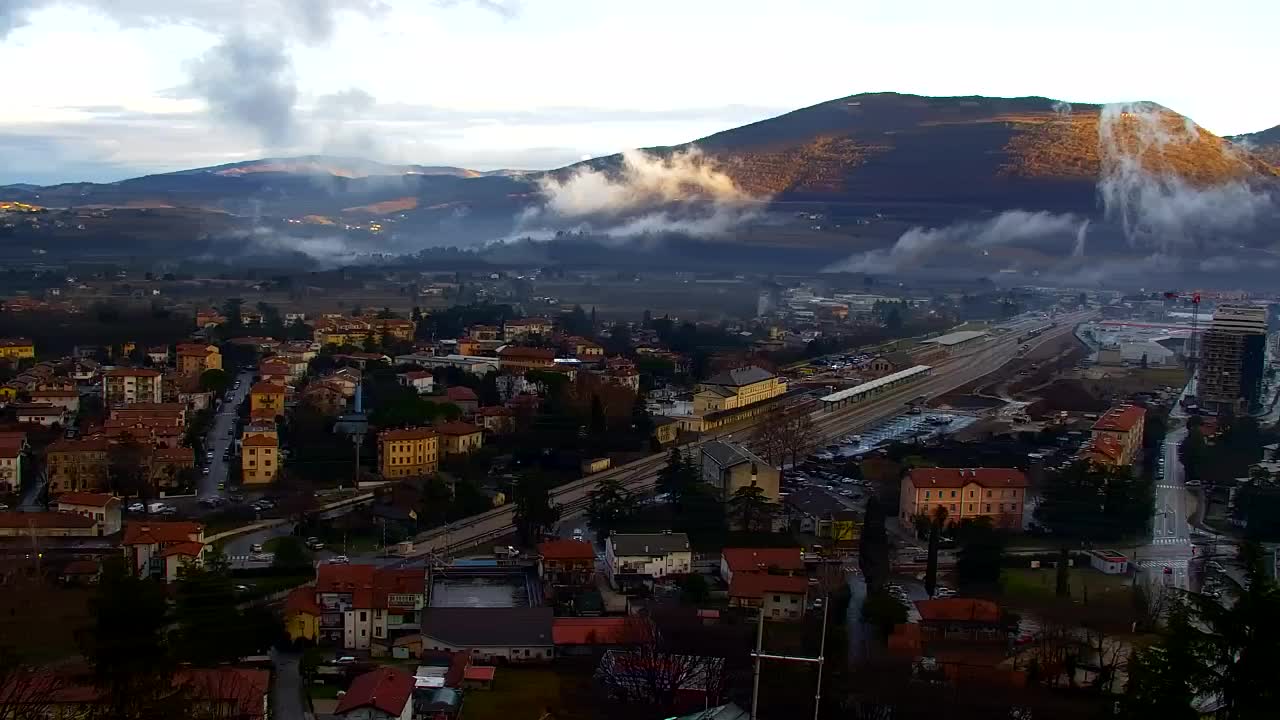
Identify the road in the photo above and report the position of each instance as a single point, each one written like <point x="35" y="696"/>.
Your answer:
<point x="219" y="437"/>
<point x="31" y="498"/>
<point x="286" y="690"/>
<point x="1167" y="558"/>
<point x="641" y="475"/>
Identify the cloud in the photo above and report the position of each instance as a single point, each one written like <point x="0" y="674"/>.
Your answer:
<point x="916" y="246"/>
<point x="311" y="21"/>
<point x="1155" y="205"/>
<point x="248" y="81"/>
<point x="644" y="180"/>
<point x="506" y="9"/>
<point x="644" y="195"/>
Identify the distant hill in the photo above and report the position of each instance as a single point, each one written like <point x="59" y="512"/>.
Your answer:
<point x="348" y="167"/>
<point x="1265" y="144"/>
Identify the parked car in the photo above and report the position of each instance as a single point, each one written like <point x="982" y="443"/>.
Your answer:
<point x="255" y="548"/>
<point x="136" y="507"/>
<point x="340" y="560"/>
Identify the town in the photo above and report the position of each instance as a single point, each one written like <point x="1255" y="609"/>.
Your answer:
<point x="378" y="493"/>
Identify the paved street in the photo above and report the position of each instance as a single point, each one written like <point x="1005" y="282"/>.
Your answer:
<point x="219" y="439"/>
<point x="286" y="692"/>
<point x="1167" y="558"/>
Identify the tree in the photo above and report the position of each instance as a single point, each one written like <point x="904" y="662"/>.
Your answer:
<point x="883" y="610"/>
<point x="937" y="521"/>
<point x="608" y="506"/>
<point x="694" y="589"/>
<point x="26" y="691"/>
<point x="290" y="554"/>
<point x="751" y="510"/>
<point x="651" y="669"/>
<point x="205" y="613"/>
<point x="599" y="425"/>
<point x="678" y="478"/>
<point x="641" y="419"/>
<point x="125" y="644"/>
<point x="127" y="469"/>
<point x="981" y="554"/>
<point x="534" y="511"/>
<point x="873" y="547"/>
<point x="1166" y="677"/>
<point x="214" y="380"/>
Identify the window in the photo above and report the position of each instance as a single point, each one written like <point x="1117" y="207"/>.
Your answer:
<point x="926" y="494"/>
<point x="794" y="599"/>
<point x="970" y="507"/>
<point x="953" y="493"/>
<point x="777" y="598"/>
<point x="988" y="493"/>
<point x="986" y="507"/>
<point x="970" y="494"/>
<point x="364" y="616"/>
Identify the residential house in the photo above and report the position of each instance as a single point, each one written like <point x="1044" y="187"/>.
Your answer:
<point x="515" y="358"/>
<point x="497" y="420"/>
<point x="729" y="467"/>
<point x="964" y="619"/>
<point x="646" y="556"/>
<point x="302" y="614"/>
<point x="17" y="348"/>
<point x="459" y="438"/>
<point x="158" y="355"/>
<point x="275" y="371"/>
<point x="72" y="465"/>
<point x="779" y="597"/>
<point x="363" y="605"/>
<point x="526" y="328"/>
<point x="485" y="333"/>
<point x="195" y="358"/>
<point x="169" y="466"/>
<point x="68" y="400"/>
<point x="999" y="493"/>
<point x="408" y="452"/>
<point x="464" y="397"/>
<point x="259" y="457"/>
<point x="473" y="364"/>
<point x="566" y="565"/>
<point x="159" y="549"/>
<point x="266" y="400"/>
<point x="421" y="381"/>
<point x="209" y="318"/>
<point x="40" y="414"/>
<point x="588" y="351"/>
<point x="10" y="467"/>
<point x="1117" y="436"/>
<point x="774" y="561"/>
<point x="125" y="386"/>
<point x="47" y="524"/>
<point x="382" y="694"/>
<point x="514" y="634"/>
<point x="326" y="396"/>
<point x="84" y="370"/>
<point x="665" y="430"/>
<point x="103" y="508"/>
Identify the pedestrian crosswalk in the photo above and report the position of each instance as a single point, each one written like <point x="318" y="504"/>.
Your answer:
<point x="1170" y="541"/>
<point x="263" y="558"/>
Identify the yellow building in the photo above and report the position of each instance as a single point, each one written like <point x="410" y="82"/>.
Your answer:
<point x="408" y="452"/>
<point x="259" y="458"/>
<point x="459" y="438"/>
<point x="266" y="400"/>
<point x="17" y="348"/>
<point x="665" y="430"/>
<point x="302" y="614"/>
<point x="997" y="493"/>
<point x="737" y="388"/>
<point x="195" y="358"/>
<point x="77" y="465"/>
<point x="1117" y="436"/>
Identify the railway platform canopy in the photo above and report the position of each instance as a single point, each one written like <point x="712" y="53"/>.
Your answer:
<point x="879" y="386"/>
<point x="956" y="339"/>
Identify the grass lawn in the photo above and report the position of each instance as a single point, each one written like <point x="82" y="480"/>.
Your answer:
<point x="1027" y="585"/>
<point x="323" y="692"/>
<point x="526" y="692"/>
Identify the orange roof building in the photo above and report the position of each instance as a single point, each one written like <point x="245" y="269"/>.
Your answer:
<point x="998" y="493"/>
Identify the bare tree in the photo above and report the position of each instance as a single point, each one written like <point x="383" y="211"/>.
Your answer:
<point x="801" y="436"/>
<point x="649" y="671"/>
<point x="26" y="692"/>
<point x="769" y="439"/>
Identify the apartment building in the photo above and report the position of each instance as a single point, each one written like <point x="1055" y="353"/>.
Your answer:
<point x="632" y="557"/>
<point x="266" y="400"/>
<point x="195" y="358"/>
<point x="408" y="452"/>
<point x="999" y="493"/>
<point x="259" y="458"/>
<point x="76" y="465"/>
<point x="17" y="348"/>
<point x="159" y="549"/>
<point x="125" y="386"/>
<point x="361" y="605"/>
<point x="1117" y="436"/>
<point x="459" y="438"/>
<point x="1233" y="356"/>
<point x="729" y="467"/>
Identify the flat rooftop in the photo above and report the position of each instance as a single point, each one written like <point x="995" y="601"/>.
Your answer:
<point x="955" y="338"/>
<point x="479" y="591"/>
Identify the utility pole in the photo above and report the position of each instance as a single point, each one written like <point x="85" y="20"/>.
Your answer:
<point x="761" y="655"/>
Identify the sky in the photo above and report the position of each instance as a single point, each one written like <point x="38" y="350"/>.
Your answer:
<point x="101" y="90"/>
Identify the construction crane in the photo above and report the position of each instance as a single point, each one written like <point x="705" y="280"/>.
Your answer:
<point x="1194" y="299"/>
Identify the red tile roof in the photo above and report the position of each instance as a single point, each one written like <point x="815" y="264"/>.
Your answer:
<point x="531" y="353"/>
<point x="160" y="533"/>
<point x="955" y="609"/>
<point x="45" y="520"/>
<point x="83" y="445"/>
<point x="461" y="393"/>
<point x="479" y="673"/>
<point x="132" y="372"/>
<point x="333" y="578"/>
<point x="267" y="388"/>
<point x="384" y="689"/>
<point x="959" y="477"/>
<point x="588" y="631"/>
<point x="566" y="550"/>
<point x="184" y="549"/>
<point x="761" y="559"/>
<point x="302" y="600"/>
<point x="755" y="585"/>
<point x="259" y="441"/>
<point x="86" y="498"/>
<point x="419" y="433"/>
<point x="495" y="411"/>
<point x="1121" y="419"/>
<point x="458" y="428"/>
